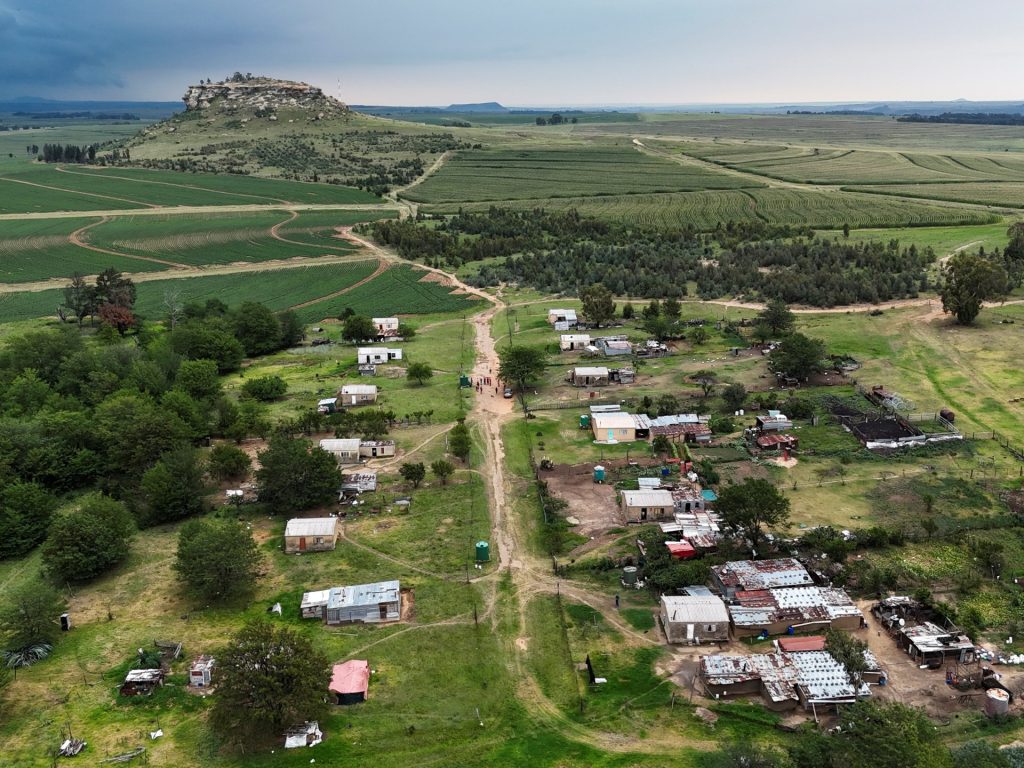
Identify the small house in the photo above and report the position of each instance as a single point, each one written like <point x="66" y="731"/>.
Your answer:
<point x="310" y="534"/>
<point x="306" y="735"/>
<point x="345" y="449"/>
<point x="792" y="609"/>
<point x="615" y="427"/>
<point x="570" y="342"/>
<point x="589" y="377"/>
<point x="777" y="442"/>
<point x="357" y="394"/>
<point x="314" y="604"/>
<point x="694" y="620"/>
<point x="355" y="483"/>
<point x="614" y="346"/>
<point x="928" y="643"/>
<point x="386" y="326"/>
<point x="377" y="355"/>
<point x="142" y="682"/>
<point x="364" y="603"/>
<point x="681" y="550"/>
<point x="200" y="672"/>
<point x="641" y="506"/>
<point x="375" y="449"/>
<point x="749" y="575"/>
<point x="327" y="405"/>
<point x="774" y="421"/>
<point x="622" y="375"/>
<point x="562" y="319"/>
<point x="350" y="681"/>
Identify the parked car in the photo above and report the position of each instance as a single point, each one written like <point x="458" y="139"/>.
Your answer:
<point x="508" y="393"/>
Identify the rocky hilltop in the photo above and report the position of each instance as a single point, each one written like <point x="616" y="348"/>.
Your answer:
<point x="261" y="95"/>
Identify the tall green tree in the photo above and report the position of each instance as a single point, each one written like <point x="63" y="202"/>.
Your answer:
<point x="521" y="366"/>
<point x="292" y="329"/>
<point x="751" y="506"/>
<point x="777" y="316"/>
<point x="172" y="489"/>
<point x="413" y="473"/>
<point x="799" y="356"/>
<point x="358" y="328"/>
<point x="734" y="396"/>
<point x="257" y="328"/>
<point x="217" y="559"/>
<point x="80" y="298"/>
<point x="115" y="289"/>
<point x="30" y="615"/>
<point x="598" y="304"/>
<point x="459" y="441"/>
<point x="199" y="379"/>
<point x="268" y="678"/>
<point x="89" y="539"/>
<point x="294" y="475"/>
<point x="442" y="469"/>
<point x="228" y="462"/>
<point x="969" y="280"/>
<point x="848" y="651"/>
<point x="419" y="372"/>
<point x="25" y="512"/>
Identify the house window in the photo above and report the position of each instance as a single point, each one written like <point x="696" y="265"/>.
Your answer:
<point x="319" y="540"/>
<point x="712" y="628"/>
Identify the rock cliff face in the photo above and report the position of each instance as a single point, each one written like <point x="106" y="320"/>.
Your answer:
<point x="259" y="95"/>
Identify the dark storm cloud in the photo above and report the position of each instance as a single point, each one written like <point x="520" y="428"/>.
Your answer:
<point x="518" y="51"/>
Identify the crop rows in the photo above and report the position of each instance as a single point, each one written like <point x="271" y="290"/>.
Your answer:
<point x="706" y="210"/>
<point x="1007" y="194"/>
<point x="506" y="174"/>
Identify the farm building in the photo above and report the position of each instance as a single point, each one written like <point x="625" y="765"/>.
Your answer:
<point x="357" y="394"/>
<point x="200" y="672"/>
<point x="142" y="682"/>
<point x="310" y="534"/>
<point x="690" y="427"/>
<point x="930" y="644"/>
<point x="694" y="620"/>
<point x="364" y="603"/>
<point x="774" y="421"/>
<point x="687" y="497"/>
<point x="749" y="575"/>
<point x="327" y="405"/>
<point x="879" y="395"/>
<point x="345" y="449"/>
<point x="616" y="427"/>
<point x="377" y="355"/>
<point x="613" y="346"/>
<point x="777" y="442"/>
<point x="355" y="483"/>
<point x="785" y="681"/>
<point x="350" y="681"/>
<point x="562" y="319"/>
<point x="640" y="506"/>
<point x="386" y="326"/>
<point x="792" y="609"/>
<point x="569" y="342"/>
<point x="374" y="449"/>
<point x="314" y="604"/>
<point x="589" y="377"/>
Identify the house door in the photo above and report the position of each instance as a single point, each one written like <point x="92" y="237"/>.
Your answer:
<point x="302" y="544"/>
<point x="383" y="611"/>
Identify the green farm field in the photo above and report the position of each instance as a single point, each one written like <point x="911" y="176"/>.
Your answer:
<point x="1007" y="194"/>
<point x="706" y="210"/>
<point x="509" y="174"/>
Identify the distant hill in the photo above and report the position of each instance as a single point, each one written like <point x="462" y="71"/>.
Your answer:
<point x="487" y="106"/>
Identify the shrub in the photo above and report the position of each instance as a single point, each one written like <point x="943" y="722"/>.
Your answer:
<point x="88" y="540"/>
<point x="265" y="388"/>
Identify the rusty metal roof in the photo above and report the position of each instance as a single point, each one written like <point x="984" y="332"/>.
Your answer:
<point x="763" y="574"/>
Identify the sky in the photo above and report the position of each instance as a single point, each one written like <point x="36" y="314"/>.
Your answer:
<point x="521" y="52"/>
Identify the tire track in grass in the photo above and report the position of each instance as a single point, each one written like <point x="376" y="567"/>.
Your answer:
<point x="76" y="192"/>
<point x="382" y="267"/>
<point x="172" y="184"/>
<point x="75" y="238"/>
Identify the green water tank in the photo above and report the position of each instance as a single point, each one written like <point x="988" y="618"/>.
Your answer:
<point x="585" y="421"/>
<point x="598" y="474"/>
<point x="483" y="551"/>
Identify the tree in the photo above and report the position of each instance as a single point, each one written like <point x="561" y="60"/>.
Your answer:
<point x="25" y="512"/>
<point x="406" y="331"/>
<point x="734" y="396"/>
<point x="112" y="287"/>
<point x="211" y="340"/>
<point x="799" y="356"/>
<point x="706" y="380"/>
<point x="199" y="379"/>
<point x="521" y="366"/>
<point x="419" y="372"/>
<point x="667" y="405"/>
<point x="661" y="445"/>
<point x="358" y="328"/>
<point x="89" y="539"/>
<point x="294" y="475"/>
<point x="292" y="329"/>
<point x="30" y="615"/>
<point x="846" y="230"/>
<point x="413" y="473"/>
<point x="598" y="304"/>
<point x="257" y="328"/>
<point x="443" y="469"/>
<point x="969" y="280"/>
<point x="217" y="559"/>
<point x="459" y="441"/>
<point x="671" y="310"/>
<point x="776" y="316"/>
<point x="80" y="298"/>
<point x="115" y="316"/>
<point x="751" y="506"/>
<point x="698" y="335"/>
<point x="228" y="462"/>
<point x="172" y="489"/>
<point x="848" y="651"/>
<point x="627" y="311"/>
<point x="265" y="388"/>
<point x="268" y="678"/>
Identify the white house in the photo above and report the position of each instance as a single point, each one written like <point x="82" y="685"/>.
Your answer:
<point x="562" y="319"/>
<point x="357" y="394"/>
<point x="377" y="355"/>
<point x="345" y="450"/>
<point x="386" y="326"/>
<point x="569" y="342"/>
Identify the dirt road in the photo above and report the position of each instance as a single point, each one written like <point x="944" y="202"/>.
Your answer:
<point x="186" y="210"/>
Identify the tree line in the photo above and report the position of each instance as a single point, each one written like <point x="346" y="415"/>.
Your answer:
<point x="68" y="153"/>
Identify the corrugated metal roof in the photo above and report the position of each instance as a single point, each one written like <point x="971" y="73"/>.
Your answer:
<point x="359" y="389"/>
<point x="647" y="498"/>
<point x="689" y="609"/>
<point x="311" y="526"/>
<point x="363" y="594"/>
<point x="795" y="605"/>
<point x="590" y="371"/>
<point x="801" y="644"/>
<point x="316" y="598"/>
<point x="763" y="574"/>
<point x="617" y="420"/>
<point x="340" y="444"/>
<point x="583" y="338"/>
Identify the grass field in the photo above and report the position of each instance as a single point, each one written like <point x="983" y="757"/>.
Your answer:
<point x="706" y="210"/>
<point x="509" y="174"/>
